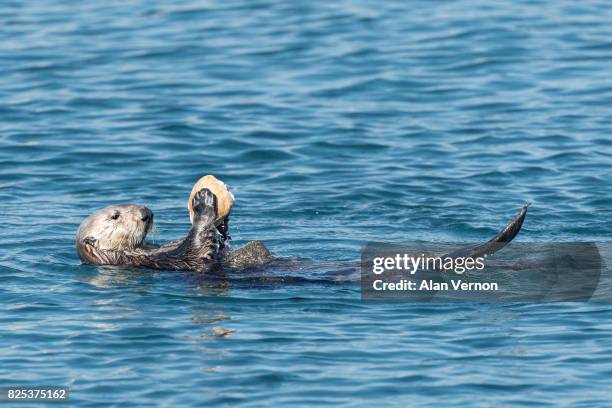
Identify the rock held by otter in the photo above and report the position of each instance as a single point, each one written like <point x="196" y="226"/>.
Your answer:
<point x="225" y="199"/>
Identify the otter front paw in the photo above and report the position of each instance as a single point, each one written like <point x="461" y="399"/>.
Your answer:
<point x="205" y="204"/>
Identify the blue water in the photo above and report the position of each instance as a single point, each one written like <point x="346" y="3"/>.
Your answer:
<point x="335" y="123"/>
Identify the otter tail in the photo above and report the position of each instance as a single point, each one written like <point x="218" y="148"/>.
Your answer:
<point x="496" y="243"/>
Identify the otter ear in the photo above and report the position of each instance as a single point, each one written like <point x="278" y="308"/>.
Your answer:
<point x="91" y="241"/>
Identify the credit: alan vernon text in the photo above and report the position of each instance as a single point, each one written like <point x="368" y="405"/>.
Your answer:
<point x="410" y="264"/>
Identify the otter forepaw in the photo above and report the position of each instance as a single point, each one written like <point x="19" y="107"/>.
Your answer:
<point x="205" y="203"/>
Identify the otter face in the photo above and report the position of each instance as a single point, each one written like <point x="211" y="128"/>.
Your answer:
<point x="114" y="228"/>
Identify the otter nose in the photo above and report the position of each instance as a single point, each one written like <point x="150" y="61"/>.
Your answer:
<point x="146" y="214"/>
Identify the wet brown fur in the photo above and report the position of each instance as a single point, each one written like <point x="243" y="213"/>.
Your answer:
<point x="115" y="236"/>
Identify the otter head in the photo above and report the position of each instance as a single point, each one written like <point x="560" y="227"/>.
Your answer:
<point x="115" y="228"/>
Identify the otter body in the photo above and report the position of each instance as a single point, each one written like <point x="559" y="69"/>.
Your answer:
<point x="116" y="236"/>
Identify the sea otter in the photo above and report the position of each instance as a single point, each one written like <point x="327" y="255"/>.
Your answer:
<point x="116" y="236"/>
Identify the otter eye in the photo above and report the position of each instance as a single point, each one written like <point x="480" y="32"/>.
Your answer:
<point x="115" y="215"/>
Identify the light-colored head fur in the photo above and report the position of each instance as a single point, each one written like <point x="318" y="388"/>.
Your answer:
<point x="114" y="228"/>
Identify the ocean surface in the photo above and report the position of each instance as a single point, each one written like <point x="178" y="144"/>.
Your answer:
<point x="335" y="124"/>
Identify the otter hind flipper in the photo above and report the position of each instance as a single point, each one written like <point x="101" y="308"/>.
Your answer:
<point x="252" y="255"/>
<point x="497" y="242"/>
